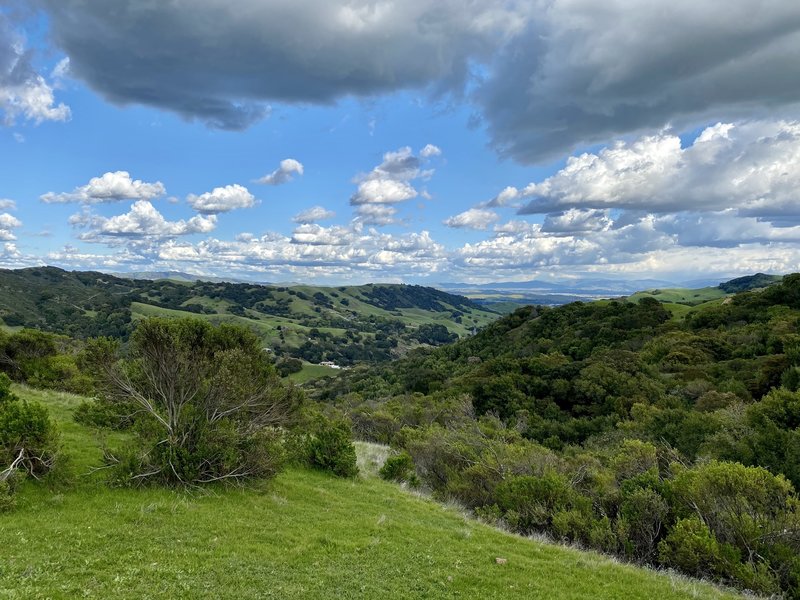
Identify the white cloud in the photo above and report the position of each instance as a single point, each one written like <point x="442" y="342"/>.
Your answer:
<point x="505" y="197"/>
<point x="378" y="215"/>
<point x="383" y="191"/>
<point x="24" y="93"/>
<point x="317" y="235"/>
<point x="61" y="70"/>
<point x="576" y="221"/>
<point x="389" y="183"/>
<point x="6" y="204"/>
<point x="222" y="199"/>
<point x="109" y="187"/>
<point x="7" y="224"/>
<point x="141" y="222"/>
<point x="430" y="150"/>
<point x="313" y="214"/>
<point x="315" y="252"/>
<point x="753" y="167"/>
<point x="474" y="218"/>
<point x="283" y="174"/>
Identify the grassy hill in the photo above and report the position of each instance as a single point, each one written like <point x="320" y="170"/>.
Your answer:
<point x="347" y="324"/>
<point x="304" y="535"/>
<point x="677" y="299"/>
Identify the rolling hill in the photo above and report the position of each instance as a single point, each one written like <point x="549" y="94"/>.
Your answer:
<point x="346" y="324"/>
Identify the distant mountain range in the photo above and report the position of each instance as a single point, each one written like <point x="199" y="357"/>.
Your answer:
<point x="180" y="276"/>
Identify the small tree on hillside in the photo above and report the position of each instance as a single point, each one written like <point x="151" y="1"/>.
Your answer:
<point x="208" y="402"/>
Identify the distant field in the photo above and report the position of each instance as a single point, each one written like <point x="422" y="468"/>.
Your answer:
<point x="304" y="535"/>
<point x="310" y="372"/>
<point x="681" y="295"/>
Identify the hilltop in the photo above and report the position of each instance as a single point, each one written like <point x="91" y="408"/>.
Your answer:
<point x="345" y="324"/>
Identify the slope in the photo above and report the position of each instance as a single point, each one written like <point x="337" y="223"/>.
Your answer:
<point x="303" y="535"/>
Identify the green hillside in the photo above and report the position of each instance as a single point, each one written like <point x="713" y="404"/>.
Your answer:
<point x="686" y="296"/>
<point x="698" y="296"/>
<point x="348" y="324"/>
<point x="304" y="535"/>
<point x="620" y="425"/>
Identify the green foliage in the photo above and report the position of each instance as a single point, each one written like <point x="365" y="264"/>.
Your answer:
<point x="368" y="318"/>
<point x="287" y="366"/>
<point x="28" y="437"/>
<point x="330" y="448"/>
<point x="398" y="467"/>
<point x="209" y="400"/>
<point x="8" y="501"/>
<point x="531" y="503"/>
<point x="43" y="360"/>
<point x="581" y="417"/>
<point x="693" y="548"/>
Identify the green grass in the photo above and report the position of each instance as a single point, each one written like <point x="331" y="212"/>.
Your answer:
<point x="303" y="535"/>
<point x="311" y="372"/>
<point x="687" y="296"/>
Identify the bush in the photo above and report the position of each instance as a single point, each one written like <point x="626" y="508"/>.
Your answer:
<point x="399" y="467"/>
<point x="287" y="366"/>
<point x="27" y="435"/>
<point x="209" y="401"/>
<point x="692" y="548"/>
<point x="103" y="415"/>
<point x="641" y="518"/>
<point x="7" y="500"/>
<point x="331" y="448"/>
<point x="531" y="502"/>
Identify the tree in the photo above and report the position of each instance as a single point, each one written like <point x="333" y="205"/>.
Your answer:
<point x="210" y="404"/>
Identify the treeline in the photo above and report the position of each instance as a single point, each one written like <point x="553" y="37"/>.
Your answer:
<point x="613" y="425"/>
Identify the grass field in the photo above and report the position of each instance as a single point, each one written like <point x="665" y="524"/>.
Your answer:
<point x="311" y="372"/>
<point x="686" y="296"/>
<point x="303" y="535"/>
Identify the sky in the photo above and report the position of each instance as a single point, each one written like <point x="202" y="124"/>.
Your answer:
<point x="418" y="141"/>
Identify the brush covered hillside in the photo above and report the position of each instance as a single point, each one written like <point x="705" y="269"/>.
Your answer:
<point x="305" y="534"/>
<point x="666" y="440"/>
<point x="345" y="324"/>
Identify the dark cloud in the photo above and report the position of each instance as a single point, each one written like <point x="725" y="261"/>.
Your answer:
<point x="585" y="72"/>
<point x="221" y="62"/>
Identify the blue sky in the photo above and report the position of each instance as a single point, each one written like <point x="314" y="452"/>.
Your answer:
<point x="512" y="141"/>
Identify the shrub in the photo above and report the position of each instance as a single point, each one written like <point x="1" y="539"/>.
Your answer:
<point x="693" y="548"/>
<point x="28" y="438"/>
<point x="399" y="467"/>
<point x="641" y="518"/>
<point x="104" y="415"/>
<point x="331" y="448"/>
<point x="7" y="500"/>
<point x="533" y="501"/>
<point x="209" y="400"/>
